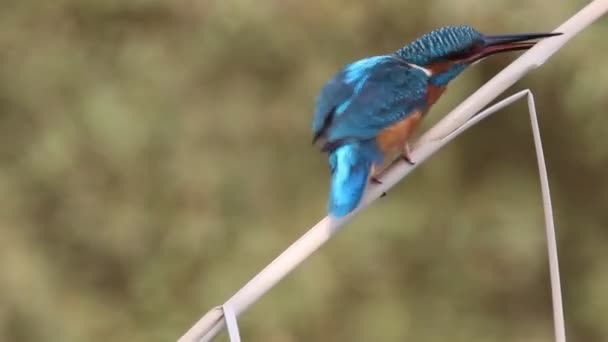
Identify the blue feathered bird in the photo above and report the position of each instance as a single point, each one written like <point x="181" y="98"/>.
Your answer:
<point x="371" y="107"/>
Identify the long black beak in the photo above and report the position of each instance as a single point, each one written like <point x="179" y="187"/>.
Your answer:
<point x="493" y="44"/>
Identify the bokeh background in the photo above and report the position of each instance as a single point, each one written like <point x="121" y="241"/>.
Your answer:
<point x="155" y="155"/>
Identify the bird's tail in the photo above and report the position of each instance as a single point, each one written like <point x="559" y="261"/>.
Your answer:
<point x="350" y="165"/>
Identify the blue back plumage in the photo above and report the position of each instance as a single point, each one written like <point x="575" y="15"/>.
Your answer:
<point x="338" y="92"/>
<point x="350" y="168"/>
<point x="366" y="97"/>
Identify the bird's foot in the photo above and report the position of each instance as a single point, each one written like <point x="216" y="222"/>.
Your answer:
<point x="375" y="180"/>
<point x="408" y="160"/>
<point x="405" y="155"/>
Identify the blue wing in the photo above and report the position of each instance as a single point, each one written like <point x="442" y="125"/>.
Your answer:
<point x="333" y="95"/>
<point x="366" y="97"/>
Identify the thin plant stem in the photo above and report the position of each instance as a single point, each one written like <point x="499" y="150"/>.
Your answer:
<point x="556" y="289"/>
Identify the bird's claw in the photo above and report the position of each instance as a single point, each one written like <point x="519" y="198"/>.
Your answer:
<point x="405" y="155"/>
<point x="375" y="180"/>
<point x="408" y="160"/>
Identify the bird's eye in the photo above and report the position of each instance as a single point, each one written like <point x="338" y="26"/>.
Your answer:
<point x="459" y="54"/>
<point x="463" y="53"/>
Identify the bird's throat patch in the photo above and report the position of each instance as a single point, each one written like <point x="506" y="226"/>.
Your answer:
<point x="433" y="93"/>
<point x="393" y="138"/>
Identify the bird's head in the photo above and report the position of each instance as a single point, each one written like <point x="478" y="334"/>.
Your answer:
<point x="447" y="51"/>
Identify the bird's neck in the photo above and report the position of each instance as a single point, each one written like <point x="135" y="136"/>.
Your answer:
<point x="441" y="78"/>
<point x="433" y="93"/>
<point x="439" y="73"/>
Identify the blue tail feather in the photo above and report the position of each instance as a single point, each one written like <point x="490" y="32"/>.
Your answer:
<point x="350" y="167"/>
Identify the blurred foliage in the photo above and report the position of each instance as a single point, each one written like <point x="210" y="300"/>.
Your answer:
<point x="154" y="155"/>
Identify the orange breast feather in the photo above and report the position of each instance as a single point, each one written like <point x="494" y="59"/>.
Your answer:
<point x="433" y="94"/>
<point x="393" y="138"/>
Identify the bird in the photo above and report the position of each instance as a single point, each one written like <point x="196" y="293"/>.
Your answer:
<point x="369" y="109"/>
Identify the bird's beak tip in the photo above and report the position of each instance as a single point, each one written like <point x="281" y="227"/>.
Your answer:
<point x="493" y="44"/>
<point x="505" y="39"/>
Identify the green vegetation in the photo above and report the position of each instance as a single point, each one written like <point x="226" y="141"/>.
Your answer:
<point x="154" y="155"/>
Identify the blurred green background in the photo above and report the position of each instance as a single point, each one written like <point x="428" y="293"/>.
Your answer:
<point x="155" y="155"/>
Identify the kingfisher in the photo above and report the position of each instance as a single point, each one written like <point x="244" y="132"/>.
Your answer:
<point x="371" y="107"/>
